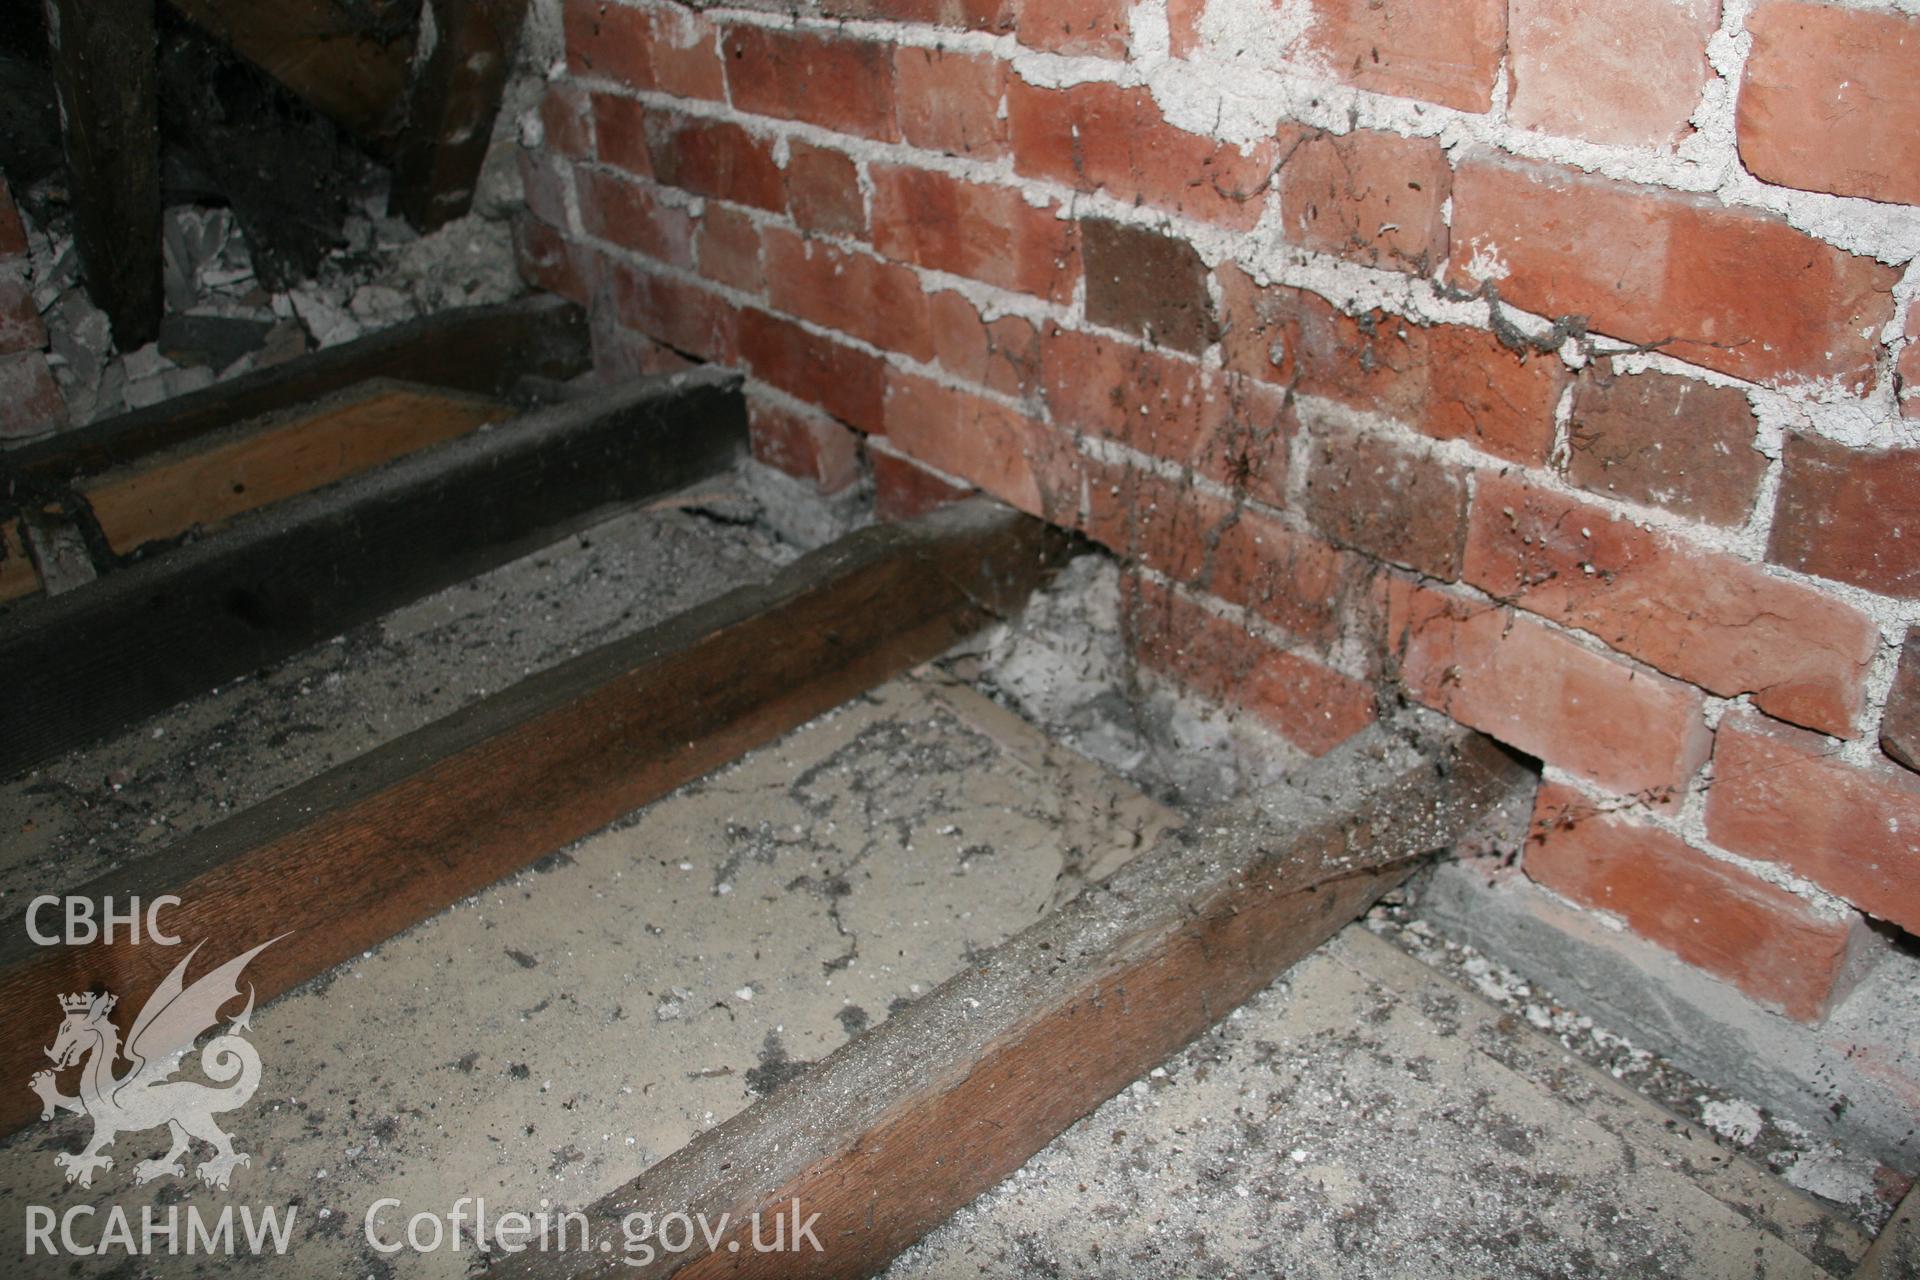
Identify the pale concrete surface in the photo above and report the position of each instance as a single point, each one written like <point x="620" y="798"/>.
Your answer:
<point x="547" y="1040"/>
<point x="1367" y="1117"/>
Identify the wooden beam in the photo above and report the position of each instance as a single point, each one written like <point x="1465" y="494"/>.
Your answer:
<point x="85" y="664"/>
<point x="451" y="106"/>
<point x="280" y="457"/>
<point x="386" y="840"/>
<point x="485" y="350"/>
<point x="897" y="1129"/>
<point x="106" y="77"/>
<point x="342" y="65"/>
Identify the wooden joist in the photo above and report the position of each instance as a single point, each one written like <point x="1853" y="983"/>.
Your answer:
<point x="105" y="75"/>
<point x="451" y="105"/>
<point x="279" y="458"/>
<point x="486" y="350"/>
<point x="87" y="663"/>
<point x="383" y="841"/>
<point x="891" y="1134"/>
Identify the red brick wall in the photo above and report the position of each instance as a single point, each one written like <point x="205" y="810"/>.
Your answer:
<point x="1551" y="364"/>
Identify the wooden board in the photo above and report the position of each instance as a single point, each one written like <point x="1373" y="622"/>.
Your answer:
<point x="17" y="575"/>
<point x="106" y="76"/>
<point x="451" y="105"/>
<point x="485" y="350"/>
<point x="386" y="840"/>
<point x="893" y="1132"/>
<point x="343" y="69"/>
<point x="84" y="664"/>
<point x="279" y="459"/>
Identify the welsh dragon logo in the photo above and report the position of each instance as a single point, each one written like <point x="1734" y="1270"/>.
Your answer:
<point x="143" y="1097"/>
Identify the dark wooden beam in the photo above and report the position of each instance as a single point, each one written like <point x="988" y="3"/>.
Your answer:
<point x="892" y="1133"/>
<point x="480" y="349"/>
<point x="105" y="74"/>
<point x="388" y="839"/>
<point x="83" y="665"/>
<point x="451" y="106"/>
<point x="345" y="64"/>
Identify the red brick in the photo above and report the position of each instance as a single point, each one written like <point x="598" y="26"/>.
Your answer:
<point x="1900" y="722"/>
<point x="714" y="158"/>
<point x="836" y="82"/>
<point x="548" y="260"/>
<point x="20" y="327"/>
<point x="874" y="300"/>
<point x="1628" y="72"/>
<point x="1831" y="101"/>
<point x="1906" y="375"/>
<point x="566" y="120"/>
<point x="1448" y="381"/>
<point x="729" y="244"/>
<point x="1226" y="428"/>
<point x="1151" y="285"/>
<point x="1311" y="705"/>
<point x="1779" y="795"/>
<point x="1374" y="198"/>
<point x="968" y="15"/>
<point x="683" y="316"/>
<point x="1094" y="28"/>
<point x="905" y="490"/>
<point x="1850" y="514"/>
<point x="632" y="215"/>
<point x="987" y="233"/>
<point x="984" y="443"/>
<point x="13" y="233"/>
<point x="951" y="101"/>
<point x="844" y="381"/>
<point x="1103" y="137"/>
<point x="1002" y="354"/>
<point x="1500" y="401"/>
<point x="1732" y="289"/>
<point x="823" y="187"/>
<point x="1669" y="441"/>
<point x="30" y="400"/>
<point x="1772" y="945"/>
<point x="1227" y="549"/>
<point x="620" y="134"/>
<point x="1444" y="53"/>
<point x="664" y="47"/>
<point x="809" y="446"/>
<point x="1631" y="731"/>
<point x="1388" y="501"/>
<point x="1707" y="618"/>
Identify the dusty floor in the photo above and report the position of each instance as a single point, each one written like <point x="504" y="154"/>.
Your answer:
<point x="1367" y="1117"/>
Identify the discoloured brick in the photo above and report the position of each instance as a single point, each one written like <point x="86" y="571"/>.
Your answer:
<point x="1095" y="28"/>
<point x="1449" y="54"/>
<point x="877" y="301"/>
<point x="1769" y="943"/>
<point x="20" y="327"/>
<point x="1714" y="620"/>
<point x="1850" y="514"/>
<point x="905" y="490"/>
<point x="1002" y="354"/>
<point x="632" y="215"/>
<point x="30" y="401"/>
<point x="848" y="383"/>
<point x="1672" y="442"/>
<point x="809" y="446"/>
<point x="1900" y="722"/>
<point x="1388" y="501"/>
<point x="823" y="186"/>
<point x="1147" y="284"/>
<point x="667" y="48"/>
<point x="984" y="443"/>
<point x="729" y="247"/>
